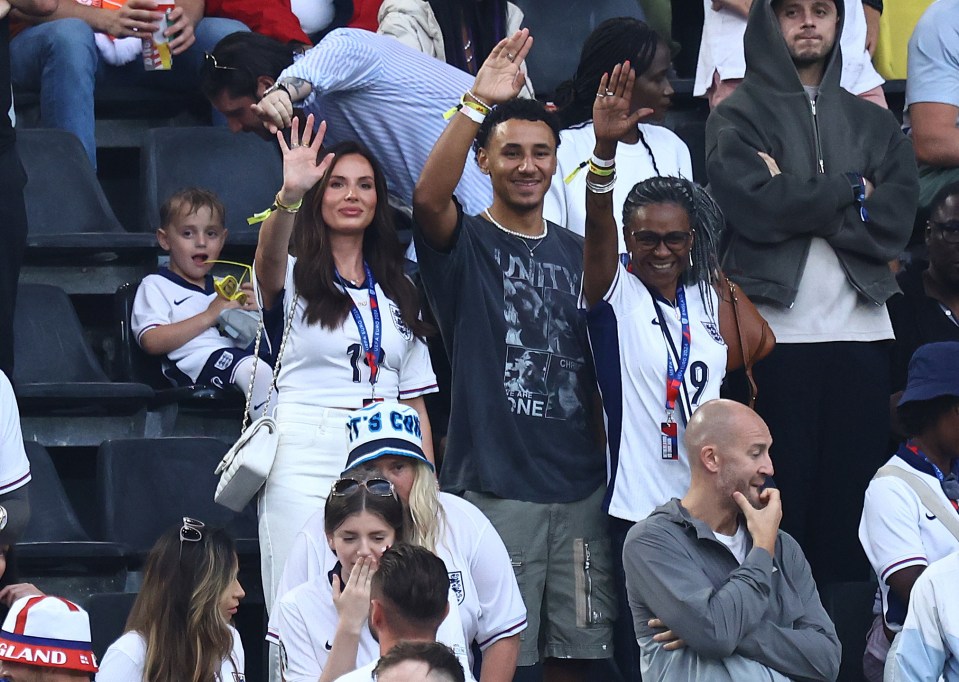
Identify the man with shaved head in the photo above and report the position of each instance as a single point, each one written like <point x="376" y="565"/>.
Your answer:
<point x="734" y="592"/>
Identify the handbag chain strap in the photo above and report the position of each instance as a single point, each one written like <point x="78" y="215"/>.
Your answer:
<point x="276" y="365"/>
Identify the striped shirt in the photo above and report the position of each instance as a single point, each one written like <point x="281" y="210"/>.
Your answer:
<point x="374" y="89"/>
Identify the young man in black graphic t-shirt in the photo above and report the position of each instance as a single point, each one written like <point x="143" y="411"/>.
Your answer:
<point x="503" y="285"/>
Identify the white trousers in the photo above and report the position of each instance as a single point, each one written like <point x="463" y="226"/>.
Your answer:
<point x="311" y="454"/>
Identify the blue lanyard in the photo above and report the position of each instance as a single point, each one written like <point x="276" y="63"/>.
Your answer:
<point x="371" y="351"/>
<point x="674" y="377"/>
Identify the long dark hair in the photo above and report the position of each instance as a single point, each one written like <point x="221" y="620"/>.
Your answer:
<point x="485" y="22"/>
<point x="314" y="274"/>
<point x="177" y="611"/>
<point x="705" y="218"/>
<point x="612" y="42"/>
<point x="341" y="507"/>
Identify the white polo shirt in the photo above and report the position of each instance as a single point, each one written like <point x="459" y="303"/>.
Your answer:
<point x="304" y="622"/>
<point x="166" y="298"/>
<point x="14" y="465"/>
<point x="481" y="574"/>
<point x="897" y="531"/>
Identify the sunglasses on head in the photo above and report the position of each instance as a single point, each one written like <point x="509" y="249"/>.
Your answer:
<point x="649" y="240"/>
<point x="211" y="60"/>
<point x="190" y="531"/>
<point x="375" y="486"/>
<point x="949" y="231"/>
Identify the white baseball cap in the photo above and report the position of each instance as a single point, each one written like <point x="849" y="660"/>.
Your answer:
<point x="49" y="632"/>
<point x="381" y="429"/>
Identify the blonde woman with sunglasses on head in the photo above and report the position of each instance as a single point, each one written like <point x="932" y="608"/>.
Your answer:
<point x="385" y="443"/>
<point x="179" y="629"/>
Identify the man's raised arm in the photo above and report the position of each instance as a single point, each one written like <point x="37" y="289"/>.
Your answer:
<point x="499" y="79"/>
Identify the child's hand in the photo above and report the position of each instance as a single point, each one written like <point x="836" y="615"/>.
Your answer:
<point x="217" y="306"/>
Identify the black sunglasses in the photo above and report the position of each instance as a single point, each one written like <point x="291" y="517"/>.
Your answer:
<point x="949" y="231"/>
<point x="210" y="59"/>
<point x="375" y="486"/>
<point x="648" y="240"/>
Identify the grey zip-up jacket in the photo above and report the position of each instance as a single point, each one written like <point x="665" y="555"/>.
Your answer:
<point x="761" y="620"/>
<point x="771" y="220"/>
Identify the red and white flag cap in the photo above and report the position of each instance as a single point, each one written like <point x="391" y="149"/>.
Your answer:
<point x="50" y="632"/>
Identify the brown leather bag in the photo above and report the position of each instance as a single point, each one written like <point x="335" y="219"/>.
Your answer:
<point x="748" y="336"/>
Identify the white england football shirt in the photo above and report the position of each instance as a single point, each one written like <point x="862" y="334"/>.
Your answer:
<point x="327" y="368"/>
<point x="481" y="574"/>
<point x="630" y="352"/>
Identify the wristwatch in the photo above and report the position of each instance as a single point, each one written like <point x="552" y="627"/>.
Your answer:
<point x="277" y="86"/>
<point x="3" y="517"/>
<point x="858" y="185"/>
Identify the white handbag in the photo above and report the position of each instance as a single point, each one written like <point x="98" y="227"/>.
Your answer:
<point x="245" y="467"/>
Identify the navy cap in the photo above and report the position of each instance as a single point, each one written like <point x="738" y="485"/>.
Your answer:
<point x="933" y="372"/>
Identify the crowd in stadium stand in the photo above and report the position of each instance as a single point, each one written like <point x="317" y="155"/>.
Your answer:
<point x="596" y="420"/>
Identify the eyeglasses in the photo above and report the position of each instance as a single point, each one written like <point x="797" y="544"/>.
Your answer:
<point x="949" y="231"/>
<point x="375" y="486"/>
<point x="190" y="531"/>
<point x="648" y="240"/>
<point x="210" y="59"/>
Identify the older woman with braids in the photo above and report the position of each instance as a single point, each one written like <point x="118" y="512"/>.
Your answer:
<point x="653" y="324"/>
<point x="645" y="150"/>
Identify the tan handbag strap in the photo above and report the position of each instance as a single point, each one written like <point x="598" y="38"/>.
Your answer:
<point x="743" y="343"/>
<point x="929" y="499"/>
<point x="276" y="365"/>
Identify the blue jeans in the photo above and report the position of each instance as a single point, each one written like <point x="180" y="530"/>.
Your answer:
<point x="61" y="60"/>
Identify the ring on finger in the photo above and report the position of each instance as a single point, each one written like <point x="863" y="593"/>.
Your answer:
<point x="600" y="95"/>
<point x="510" y="56"/>
<point x="610" y="93"/>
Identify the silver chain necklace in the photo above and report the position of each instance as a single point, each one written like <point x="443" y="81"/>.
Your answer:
<point x="519" y="235"/>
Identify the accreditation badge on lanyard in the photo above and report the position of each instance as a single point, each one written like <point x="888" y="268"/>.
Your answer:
<point x="371" y="351"/>
<point x="669" y="434"/>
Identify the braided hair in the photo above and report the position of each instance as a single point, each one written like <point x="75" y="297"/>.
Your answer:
<point x="612" y="42"/>
<point x="705" y="218"/>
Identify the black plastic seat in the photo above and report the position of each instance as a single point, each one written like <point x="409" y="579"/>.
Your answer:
<point x="849" y="605"/>
<point x="54" y="542"/>
<point x="67" y="210"/>
<point x="243" y="170"/>
<point x="137" y="365"/>
<point x="144" y="486"/>
<point x="108" y="618"/>
<point x="56" y="370"/>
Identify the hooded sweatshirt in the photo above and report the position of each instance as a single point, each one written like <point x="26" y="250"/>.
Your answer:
<point x="771" y="220"/>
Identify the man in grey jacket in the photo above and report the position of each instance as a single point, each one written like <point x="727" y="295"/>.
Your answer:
<point x="717" y="572"/>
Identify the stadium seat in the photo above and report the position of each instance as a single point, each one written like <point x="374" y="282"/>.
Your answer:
<point x="243" y="170"/>
<point x="66" y="206"/>
<point x="108" y="618"/>
<point x="54" y="543"/>
<point x="144" y="486"/>
<point x="136" y="365"/>
<point x="560" y="29"/>
<point x="849" y="605"/>
<point x="57" y="374"/>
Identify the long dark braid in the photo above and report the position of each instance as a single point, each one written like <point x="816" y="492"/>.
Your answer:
<point x="705" y="218"/>
<point x="612" y="42"/>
